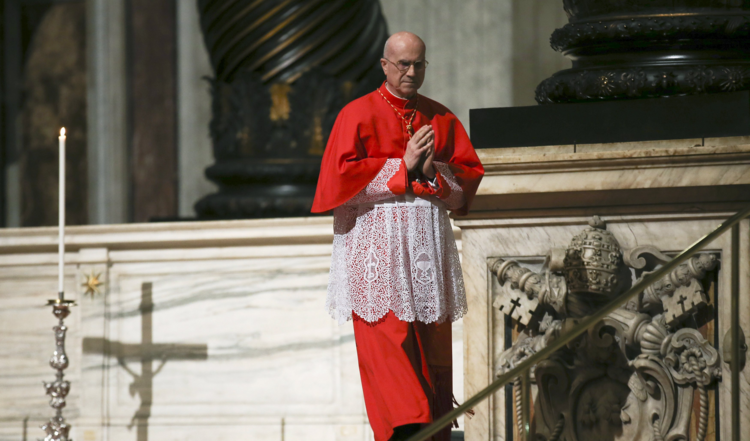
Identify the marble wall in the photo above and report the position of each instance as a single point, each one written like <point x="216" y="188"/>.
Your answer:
<point x="667" y="194"/>
<point x="202" y="331"/>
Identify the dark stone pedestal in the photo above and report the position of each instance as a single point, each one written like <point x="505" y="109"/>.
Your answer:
<point x="700" y="116"/>
<point x="646" y="48"/>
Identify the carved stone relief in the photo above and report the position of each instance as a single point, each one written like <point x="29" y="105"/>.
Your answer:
<point x="634" y="375"/>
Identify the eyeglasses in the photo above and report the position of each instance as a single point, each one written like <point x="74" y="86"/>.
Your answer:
<point x="403" y="66"/>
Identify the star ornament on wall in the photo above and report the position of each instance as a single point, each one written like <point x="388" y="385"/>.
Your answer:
<point x="92" y="284"/>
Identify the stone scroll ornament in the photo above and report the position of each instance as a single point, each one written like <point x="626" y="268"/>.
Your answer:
<point x="654" y="48"/>
<point x="633" y="376"/>
<point x="282" y="72"/>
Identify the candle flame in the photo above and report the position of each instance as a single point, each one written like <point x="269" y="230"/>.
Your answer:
<point x="62" y="131"/>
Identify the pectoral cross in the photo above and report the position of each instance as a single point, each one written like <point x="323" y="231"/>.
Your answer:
<point x="145" y="352"/>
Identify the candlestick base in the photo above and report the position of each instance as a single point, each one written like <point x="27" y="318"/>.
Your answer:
<point x="56" y="428"/>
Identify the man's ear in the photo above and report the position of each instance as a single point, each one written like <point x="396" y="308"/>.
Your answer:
<point x="384" y="65"/>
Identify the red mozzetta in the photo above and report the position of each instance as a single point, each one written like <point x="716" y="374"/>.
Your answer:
<point x="368" y="131"/>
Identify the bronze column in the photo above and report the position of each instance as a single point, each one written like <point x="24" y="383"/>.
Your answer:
<point x="283" y="70"/>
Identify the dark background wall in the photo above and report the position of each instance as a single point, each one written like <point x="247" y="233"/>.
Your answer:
<point x="44" y="87"/>
<point x="482" y="54"/>
<point x="152" y="39"/>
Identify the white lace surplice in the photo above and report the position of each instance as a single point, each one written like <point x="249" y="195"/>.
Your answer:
<point x="396" y="253"/>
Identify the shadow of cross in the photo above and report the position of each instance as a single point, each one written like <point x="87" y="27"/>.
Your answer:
<point x="146" y="352"/>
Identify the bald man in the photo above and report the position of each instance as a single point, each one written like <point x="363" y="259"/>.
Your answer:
<point x="395" y="163"/>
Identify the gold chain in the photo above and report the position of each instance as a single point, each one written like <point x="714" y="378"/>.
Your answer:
<point x="409" y="126"/>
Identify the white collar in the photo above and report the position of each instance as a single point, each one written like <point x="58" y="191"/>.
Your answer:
<point x="387" y="86"/>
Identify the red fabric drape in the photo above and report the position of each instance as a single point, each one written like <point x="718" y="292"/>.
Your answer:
<point x="406" y="372"/>
<point x="368" y="131"/>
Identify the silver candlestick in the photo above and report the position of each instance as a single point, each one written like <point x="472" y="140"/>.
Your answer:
<point x="56" y="428"/>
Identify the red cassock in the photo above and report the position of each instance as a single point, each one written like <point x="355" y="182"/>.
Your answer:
<point x="395" y="269"/>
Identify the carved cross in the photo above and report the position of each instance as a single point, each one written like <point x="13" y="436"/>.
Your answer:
<point x="516" y="304"/>
<point x="681" y="302"/>
<point x="685" y="301"/>
<point x="371" y="265"/>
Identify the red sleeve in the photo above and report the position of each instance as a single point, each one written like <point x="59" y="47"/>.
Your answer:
<point x="465" y="166"/>
<point x="458" y="170"/>
<point x="448" y="189"/>
<point x="347" y="170"/>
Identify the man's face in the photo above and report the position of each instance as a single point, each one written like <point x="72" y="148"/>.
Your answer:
<point x="399" y="55"/>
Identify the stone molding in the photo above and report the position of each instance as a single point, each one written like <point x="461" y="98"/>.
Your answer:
<point x="184" y="234"/>
<point x="495" y="161"/>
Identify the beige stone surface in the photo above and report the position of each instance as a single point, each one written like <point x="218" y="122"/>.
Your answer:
<point x="729" y="140"/>
<point x="641" y="145"/>
<point x="239" y="344"/>
<point x="491" y="156"/>
<point x="664" y="166"/>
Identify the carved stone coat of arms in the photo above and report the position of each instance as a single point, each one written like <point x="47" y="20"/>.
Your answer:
<point x="634" y="376"/>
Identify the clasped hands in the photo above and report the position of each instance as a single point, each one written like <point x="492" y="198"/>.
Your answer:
<point x="420" y="151"/>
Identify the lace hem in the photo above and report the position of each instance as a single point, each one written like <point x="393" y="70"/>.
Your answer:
<point x="397" y="256"/>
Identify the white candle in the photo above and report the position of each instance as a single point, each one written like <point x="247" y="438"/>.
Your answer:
<point x="61" y="211"/>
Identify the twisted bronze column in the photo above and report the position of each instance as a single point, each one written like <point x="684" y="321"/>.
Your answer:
<point x="283" y="70"/>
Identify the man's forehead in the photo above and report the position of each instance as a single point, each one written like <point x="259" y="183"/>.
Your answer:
<point x="408" y="53"/>
<point x="404" y="44"/>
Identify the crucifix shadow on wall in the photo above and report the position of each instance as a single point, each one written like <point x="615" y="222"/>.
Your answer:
<point x="147" y="352"/>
